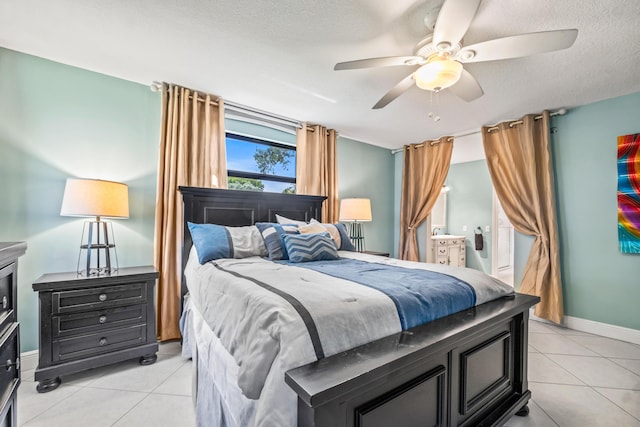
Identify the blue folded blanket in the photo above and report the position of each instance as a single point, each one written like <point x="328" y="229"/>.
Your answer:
<point x="420" y="296"/>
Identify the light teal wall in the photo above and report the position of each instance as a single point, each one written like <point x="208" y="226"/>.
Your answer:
<point x="57" y="122"/>
<point x="368" y="171"/>
<point x="470" y="203"/>
<point x="600" y="283"/>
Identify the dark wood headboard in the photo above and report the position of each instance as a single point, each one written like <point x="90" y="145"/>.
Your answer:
<point x="238" y="208"/>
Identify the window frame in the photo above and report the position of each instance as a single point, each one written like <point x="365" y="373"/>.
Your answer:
<point x="259" y="176"/>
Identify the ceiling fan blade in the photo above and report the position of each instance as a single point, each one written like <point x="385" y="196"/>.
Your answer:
<point x="404" y="85"/>
<point x="453" y="22"/>
<point x="388" y="61"/>
<point x="467" y="88"/>
<point x="518" y="46"/>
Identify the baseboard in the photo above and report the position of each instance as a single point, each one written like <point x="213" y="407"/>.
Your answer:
<point x="597" y="328"/>
<point x="28" y="360"/>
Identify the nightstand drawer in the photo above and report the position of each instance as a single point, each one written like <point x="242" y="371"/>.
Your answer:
<point x="7" y="313"/>
<point x="98" y="343"/>
<point x="98" y="320"/>
<point x="98" y="298"/>
<point x="9" y="368"/>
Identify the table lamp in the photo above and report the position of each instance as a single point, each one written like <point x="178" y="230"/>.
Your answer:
<point x="96" y="198"/>
<point x="355" y="212"/>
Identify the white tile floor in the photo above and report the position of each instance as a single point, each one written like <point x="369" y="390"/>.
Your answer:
<point x="124" y="394"/>
<point x="576" y="379"/>
<point x="582" y="380"/>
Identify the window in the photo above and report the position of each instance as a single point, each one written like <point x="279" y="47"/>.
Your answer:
<point x="260" y="165"/>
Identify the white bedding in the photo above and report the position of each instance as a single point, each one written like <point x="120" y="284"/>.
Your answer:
<point x="260" y="335"/>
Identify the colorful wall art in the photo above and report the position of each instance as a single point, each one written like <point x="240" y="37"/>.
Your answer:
<point x="629" y="193"/>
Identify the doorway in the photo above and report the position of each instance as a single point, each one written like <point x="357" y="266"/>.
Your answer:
<point x="503" y="244"/>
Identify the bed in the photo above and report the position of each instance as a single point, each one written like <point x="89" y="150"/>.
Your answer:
<point x="467" y="368"/>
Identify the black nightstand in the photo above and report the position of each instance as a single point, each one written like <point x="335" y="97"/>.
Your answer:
<point x="376" y="253"/>
<point x="87" y="322"/>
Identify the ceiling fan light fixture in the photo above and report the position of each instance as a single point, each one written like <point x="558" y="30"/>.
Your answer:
<point x="438" y="73"/>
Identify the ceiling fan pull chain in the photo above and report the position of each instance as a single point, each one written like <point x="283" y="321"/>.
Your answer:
<point x="431" y="114"/>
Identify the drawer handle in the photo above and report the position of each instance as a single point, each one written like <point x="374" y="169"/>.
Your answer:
<point x="11" y="364"/>
<point x="102" y="297"/>
<point x="102" y="319"/>
<point x="103" y="341"/>
<point x="5" y="302"/>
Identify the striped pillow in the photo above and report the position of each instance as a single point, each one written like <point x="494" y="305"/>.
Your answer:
<point x="272" y="235"/>
<point x="310" y="247"/>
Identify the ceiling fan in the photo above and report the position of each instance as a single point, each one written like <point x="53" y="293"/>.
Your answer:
<point x="438" y="59"/>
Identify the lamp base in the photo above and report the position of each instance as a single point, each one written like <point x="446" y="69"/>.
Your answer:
<point x="356" y="234"/>
<point x="100" y="249"/>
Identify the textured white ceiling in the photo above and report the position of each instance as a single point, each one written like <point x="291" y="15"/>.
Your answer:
<point x="278" y="56"/>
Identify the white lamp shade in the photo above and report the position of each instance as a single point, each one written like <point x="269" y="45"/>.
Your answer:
<point x="355" y="210"/>
<point x="94" y="197"/>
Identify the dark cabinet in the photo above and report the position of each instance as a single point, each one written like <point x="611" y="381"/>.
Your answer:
<point x="9" y="331"/>
<point x="87" y="322"/>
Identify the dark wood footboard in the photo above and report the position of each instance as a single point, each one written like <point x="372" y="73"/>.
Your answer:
<point x="466" y="369"/>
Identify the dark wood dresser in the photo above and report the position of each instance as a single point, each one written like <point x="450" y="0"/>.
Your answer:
<point x="9" y="331"/>
<point x="87" y="322"/>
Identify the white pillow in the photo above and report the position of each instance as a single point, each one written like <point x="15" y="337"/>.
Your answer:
<point x="285" y="220"/>
<point x="312" y="228"/>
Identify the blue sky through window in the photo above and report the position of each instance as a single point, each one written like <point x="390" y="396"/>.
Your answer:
<point x="240" y="158"/>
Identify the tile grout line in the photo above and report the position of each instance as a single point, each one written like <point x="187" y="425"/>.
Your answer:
<point x="625" y="368"/>
<point x="171" y="374"/>
<point x="545" y="412"/>
<point x="563" y="368"/>
<point x="130" y="409"/>
<point x="613" y="360"/>
<point x="52" y="405"/>
<point x="624" y="410"/>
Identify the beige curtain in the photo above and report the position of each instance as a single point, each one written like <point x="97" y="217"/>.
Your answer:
<point x="424" y="172"/>
<point x="316" y="171"/>
<point x="192" y="153"/>
<point x="519" y="162"/>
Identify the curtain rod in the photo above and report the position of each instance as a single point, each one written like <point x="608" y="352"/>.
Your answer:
<point x="560" y="112"/>
<point x="262" y="114"/>
<point x="157" y="87"/>
<point x="246" y="110"/>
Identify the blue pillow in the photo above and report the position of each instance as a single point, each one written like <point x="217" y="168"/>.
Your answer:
<point x="310" y="247"/>
<point x="345" y="240"/>
<point x="216" y="241"/>
<point x="272" y="234"/>
<point x="211" y="241"/>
